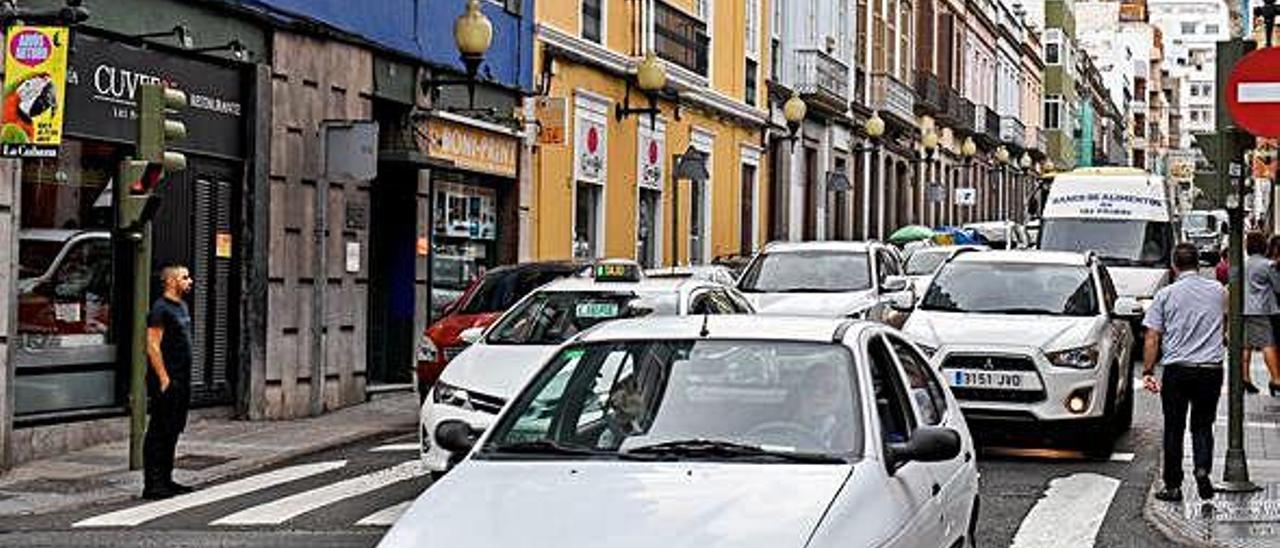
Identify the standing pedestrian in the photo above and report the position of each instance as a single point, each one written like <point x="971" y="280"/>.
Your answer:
<point x="168" y="383"/>
<point x="1261" y="280"/>
<point x="1184" y="328"/>
<point x="1223" y="271"/>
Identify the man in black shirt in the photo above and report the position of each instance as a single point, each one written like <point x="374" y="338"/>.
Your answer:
<point x="168" y="383"/>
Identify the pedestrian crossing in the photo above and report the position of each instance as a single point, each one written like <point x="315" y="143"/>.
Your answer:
<point x="304" y="488"/>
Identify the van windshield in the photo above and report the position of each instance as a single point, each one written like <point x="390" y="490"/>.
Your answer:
<point x="1117" y="242"/>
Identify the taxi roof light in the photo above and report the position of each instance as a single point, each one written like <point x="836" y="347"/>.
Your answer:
<point x="617" y="271"/>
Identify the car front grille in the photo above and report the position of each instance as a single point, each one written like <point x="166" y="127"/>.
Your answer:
<point x="486" y="403"/>
<point x="989" y="363"/>
<point x="988" y="394"/>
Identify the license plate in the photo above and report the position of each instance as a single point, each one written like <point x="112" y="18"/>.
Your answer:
<point x="994" y="380"/>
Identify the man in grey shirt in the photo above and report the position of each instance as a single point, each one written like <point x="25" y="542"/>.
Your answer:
<point x="1184" y="328"/>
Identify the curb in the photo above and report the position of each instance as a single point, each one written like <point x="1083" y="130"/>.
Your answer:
<point x="1171" y="531"/>
<point x="249" y="465"/>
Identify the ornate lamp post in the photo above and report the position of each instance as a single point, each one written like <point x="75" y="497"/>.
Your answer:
<point x="794" y="111"/>
<point x="967" y="151"/>
<point x="472" y="34"/>
<point x="1002" y="161"/>
<point x="651" y="78"/>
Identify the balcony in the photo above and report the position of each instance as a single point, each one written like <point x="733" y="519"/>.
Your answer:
<point x="959" y="109"/>
<point x="680" y="38"/>
<point x="890" y="96"/>
<point x="1012" y="131"/>
<point x="821" y="78"/>
<point x="929" y="95"/>
<point x="986" y="123"/>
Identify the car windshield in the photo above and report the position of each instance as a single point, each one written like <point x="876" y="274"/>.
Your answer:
<point x="552" y="317"/>
<point x="1012" y="288"/>
<point x="1118" y="242"/>
<point x="688" y="400"/>
<point x="807" y="272"/>
<point x="35" y="257"/>
<point x="925" y="262"/>
<point x="1197" y="221"/>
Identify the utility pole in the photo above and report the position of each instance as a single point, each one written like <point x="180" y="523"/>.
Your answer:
<point x="1225" y="148"/>
<point x="137" y="199"/>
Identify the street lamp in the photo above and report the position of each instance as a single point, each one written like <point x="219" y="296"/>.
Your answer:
<point x="967" y="151"/>
<point x="930" y="144"/>
<point x="794" y="111"/>
<point x="651" y="78"/>
<point x="472" y="35"/>
<point x="1002" y="161"/>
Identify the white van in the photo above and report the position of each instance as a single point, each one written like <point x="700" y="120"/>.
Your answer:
<point x="1125" y="215"/>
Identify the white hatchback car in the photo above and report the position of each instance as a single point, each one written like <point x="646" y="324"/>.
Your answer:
<point x="924" y="263"/>
<point x="714" y="431"/>
<point x="480" y="380"/>
<point x="1037" y="338"/>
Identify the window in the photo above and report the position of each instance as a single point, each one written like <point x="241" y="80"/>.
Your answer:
<point x="752" y="28"/>
<point x="1211" y="29"/>
<point x="1195" y="91"/>
<point x="811" y="23"/>
<point x="860" y="38"/>
<point x="896" y="419"/>
<point x="593" y="20"/>
<point x="926" y="391"/>
<point x="1053" y="112"/>
<point x="1188" y="27"/>
<point x="749" y="92"/>
<point x="587" y="221"/>
<point x="680" y="39"/>
<point x="904" y="39"/>
<point x="1053" y="47"/>
<point x="1195" y="115"/>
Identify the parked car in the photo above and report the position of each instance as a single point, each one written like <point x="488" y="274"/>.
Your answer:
<point x="500" y="358"/>
<point x="64" y="282"/>
<point x="921" y="265"/>
<point x="829" y="279"/>
<point x="722" y="275"/>
<point x="1036" y="339"/>
<point x="1002" y="234"/>
<point x="1208" y="231"/>
<point x="712" y="432"/>
<point x="482" y="302"/>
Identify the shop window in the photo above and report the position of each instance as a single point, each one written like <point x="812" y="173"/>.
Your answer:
<point x="587" y="233"/>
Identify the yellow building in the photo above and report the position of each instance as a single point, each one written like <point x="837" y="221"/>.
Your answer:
<point x="603" y="180"/>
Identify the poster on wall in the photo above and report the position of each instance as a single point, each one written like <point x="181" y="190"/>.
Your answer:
<point x="35" y="82"/>
<point x="465" y="211"/>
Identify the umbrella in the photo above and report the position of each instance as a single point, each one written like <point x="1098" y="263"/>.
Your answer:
<point x="910" y="233"/>
<point x="957" y="236"/>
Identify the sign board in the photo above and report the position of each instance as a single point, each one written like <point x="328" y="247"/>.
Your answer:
<point x="552" y="114"/>
<point x="1253" y="92"/>
<point x="966" y="196"/>
<point x="350" y="151"/>
<point x="35" y="82"/>
<point x="652" y="157"/>
<point x="590" y="147"/>
<point x="472" y="148"/>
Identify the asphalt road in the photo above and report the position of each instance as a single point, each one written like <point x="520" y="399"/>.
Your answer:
<point x="319" y="501"/>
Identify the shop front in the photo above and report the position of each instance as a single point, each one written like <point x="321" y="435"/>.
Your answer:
<point x="68" y="362"/>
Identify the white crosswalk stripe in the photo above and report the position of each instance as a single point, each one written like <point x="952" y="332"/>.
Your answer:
<point x="281" y="510"/>
<point x="1070" y="514"/>
<point x="396" y="447"/>
<point x="386" y="516"/>
<point x="143" y="513"/>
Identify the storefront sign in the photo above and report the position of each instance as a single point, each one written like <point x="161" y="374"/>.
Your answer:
<point x="590" y="149"/>
<point x="35" y="81"/>
<point x="552" y="114"/>
<point x="222" y="245"/>
<point x="652" y="155"/>
<point x="103" y="79"/>
<point x="472" y="149"/>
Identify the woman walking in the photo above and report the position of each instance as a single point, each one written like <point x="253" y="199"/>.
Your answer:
<point x="1261" y="282"/>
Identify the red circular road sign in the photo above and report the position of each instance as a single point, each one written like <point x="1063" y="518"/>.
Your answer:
<point x="1253" y="93"/>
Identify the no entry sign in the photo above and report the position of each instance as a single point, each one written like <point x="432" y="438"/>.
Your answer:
<point x="1253" y="93"/>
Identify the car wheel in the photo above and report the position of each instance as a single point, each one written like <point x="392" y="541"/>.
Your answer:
<point x="1124" y="415"/>
<point x="1099" y="446"/>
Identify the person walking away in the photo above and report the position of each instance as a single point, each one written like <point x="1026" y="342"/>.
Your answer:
<point x="1261" y="280"/>
<point x="1223" y="270"/>
<point x="168" y="383"/>
<point x="1184" y="328"/>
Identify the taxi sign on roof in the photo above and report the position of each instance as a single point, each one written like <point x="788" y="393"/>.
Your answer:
<point x="617" y="271"/>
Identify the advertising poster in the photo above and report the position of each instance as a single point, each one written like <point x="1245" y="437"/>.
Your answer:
<point x="35" y="81"/>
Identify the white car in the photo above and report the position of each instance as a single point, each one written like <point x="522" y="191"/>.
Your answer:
<point x="480" y="380"/>
<point x="922" y="264"/>
<point x="708" y="432"/>
<point x="1033" y="338"/>
<point x="860" y="280"/>
<point x="1002" y="234"/>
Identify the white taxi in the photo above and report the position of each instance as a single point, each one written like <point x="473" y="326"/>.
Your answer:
<point x="480" y="380"/>
<point x="713" y="431"/>
<point x="1033" y="338"/>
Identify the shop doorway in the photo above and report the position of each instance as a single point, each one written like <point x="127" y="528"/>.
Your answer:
<point x="393" y="224"/>
<point x="647" y="237"/>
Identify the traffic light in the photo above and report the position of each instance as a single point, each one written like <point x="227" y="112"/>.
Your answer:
<point x="156" y="130"/>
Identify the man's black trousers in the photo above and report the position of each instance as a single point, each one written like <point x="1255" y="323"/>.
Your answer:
<point x="168" y="420"/>
<point x="1196" y="388"/>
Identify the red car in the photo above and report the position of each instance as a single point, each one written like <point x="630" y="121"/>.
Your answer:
<point x="480" y="305"/>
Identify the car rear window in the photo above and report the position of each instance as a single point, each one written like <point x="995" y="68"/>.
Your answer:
<point x="500" y="291"/>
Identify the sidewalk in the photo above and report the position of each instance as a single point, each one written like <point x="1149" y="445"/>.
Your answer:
<point x="1231" y="520"/>
<point x="209" y="450"/>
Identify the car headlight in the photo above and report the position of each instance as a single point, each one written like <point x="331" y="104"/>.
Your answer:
<point x="1083" y="357"/>
<point x="446" y="394"/>
<point x="427" y="350"/>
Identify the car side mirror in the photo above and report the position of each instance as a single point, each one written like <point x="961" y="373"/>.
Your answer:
<point x="471" y="335"/>
<point x="903" y="301"/>
<point x="456" y="436"/>
<point x="894" y="284"/>
<point x="927" y="444"/>
<point x="1127" y="307"/>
